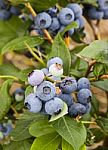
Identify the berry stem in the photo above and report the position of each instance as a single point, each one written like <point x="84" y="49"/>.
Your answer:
<point x="32" y="52"/>
<point x="105" y="76"/>
<point x="67" y="40"/>
<point x="89" y="67"/>
<point x="28" y="5"/>
<point x="11" y="77"/>
<point x="37" y="51"/>
<point x="14" y="110"/>
<point x="88" y="122"/>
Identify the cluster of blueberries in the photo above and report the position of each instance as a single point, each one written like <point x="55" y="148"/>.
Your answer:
<point x="7" y="11"/>
<point x="55" y="21"/>
<point x="5" y="129"/>
<point x="97" y="13"/>
<point x="49" y="98"/>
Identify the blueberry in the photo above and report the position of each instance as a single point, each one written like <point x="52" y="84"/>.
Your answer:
<point x="105" y="13"/>
<point x="7" y="128"/>
<point x="71" y="32"/>
<point x="55" y="25"/>
<point x="52" y="11"/>
<point x="4" y="14"/>
<point x="68" y="85"/>
<point x="88" y="107"/>
<point x="67" y="98"/>
<point x="62" y="28"/>
<point x="1" y="126"/>
<point x="46" y="91"/>
<point x="15" y="10"/>
<point x="84" y="96"/>
<point x="95" y="14"/>
<point x="101" y="3"/>
<point x="54" y="60"/>
<point x="54" y="106"/>
<point x="45" y="71"/>
<point x="33" y="103"/>
<point x="80" y="22"/>
<point x="42" y="20"/>
<point x="77" y="109"/>
<point x="19" y="94"/>
<point x="83" y="83"/>
<point x="56" y="70"/>
<point x="2" y="4"/>
<point x="35" y="77"/>
<point x="77" y="10"/>
<point x="66" y="16"/>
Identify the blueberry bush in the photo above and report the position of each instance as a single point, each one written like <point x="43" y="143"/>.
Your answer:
<point x="48" y="75"/>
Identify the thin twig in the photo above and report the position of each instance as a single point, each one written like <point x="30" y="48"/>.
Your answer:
<point x="89" y="67"/>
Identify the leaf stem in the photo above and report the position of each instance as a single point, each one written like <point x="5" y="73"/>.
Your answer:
<point x="7" y="76"/>
<point x="89" y="67"/>
<point x="28" y="5"/>
<point x="88" y="122"/>
<point x="35" y="56"/>
<point x="14" y="110"/>
<point x="67" y="40"/>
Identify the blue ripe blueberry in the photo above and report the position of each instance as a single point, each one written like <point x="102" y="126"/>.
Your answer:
<point x="77" y="10"/>
<point x="54" y="106"/>
<point x="62" y="28"/>
<point x="15" y="10"/>
<point x="54" y="60"/>
<point x="55" y="25"/>
<point x="19" y="94"/>
<point x="67" y="98"/>
<point x="105" y="13"/>
<point x="66" y="16"/>
<point x="52" y="11"/>
<point x="4" y="14"/>
<point x="94" y="14"/>
<point x="56" y="70"/>
<point x="71" y="32"/>
<point x="88" y="107"/>
<point x="101" y="3"/>
<point x="42" y="20"/>
<point x="2" y="4"/>
<point x="7" y="128"/>
<point x="68" y="85"/>
<point x="33" y="103"/>
<point x="83" y="83"/>
<point x="45" y="71"/>
<point x="46" y="91"/>
<point x="80" y="22"/>
<point x="84" y="96"/>
<point x="35" y="77"/>
<point x="77" y="109"/>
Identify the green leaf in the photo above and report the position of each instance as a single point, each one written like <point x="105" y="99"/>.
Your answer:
<point x="19" y="43"/>
<point x="61" y="114"/>
<point x="96" y="50"/>
<point x="59" y="49"/>
<point x="38" y="5"/>
<point x="28" y="90"/>
<point x="21" y="131"/>
<point x="9" y="69"/>
<point x="99" y="69"/>
<point x="41" y="128"/>
<point x="22" y="145"/>
<point x="66" y="145"/>
<point x="70" y="26"/>
<point x="10" y="30"/>
<point x="46" y="142"/>
<point x="71" y="130"/>
<point x="101" y="84"/>
<point x="5" y="99"/>
<point x="103" y="123"/>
